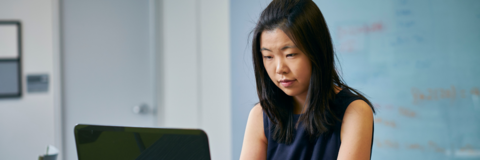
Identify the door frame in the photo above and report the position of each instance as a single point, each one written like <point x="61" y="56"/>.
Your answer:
<point x="57" y="81"/>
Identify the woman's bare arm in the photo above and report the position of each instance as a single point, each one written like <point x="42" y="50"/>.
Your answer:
<point x="356" y="132"/>
<point x="254" y="143"/>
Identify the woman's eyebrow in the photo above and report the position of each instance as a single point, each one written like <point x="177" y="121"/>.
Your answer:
<point x="265" y="49"/>
<point x="286" y="47"/>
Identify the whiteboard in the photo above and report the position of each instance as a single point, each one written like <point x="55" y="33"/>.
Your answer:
<point x="418" y="61"/>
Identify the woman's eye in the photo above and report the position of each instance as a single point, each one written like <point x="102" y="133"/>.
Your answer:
<point x="267" y="57"/>
<point x="291" y="55"/>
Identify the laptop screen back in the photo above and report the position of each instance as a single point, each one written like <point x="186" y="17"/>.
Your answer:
<point x="111" y="142"/>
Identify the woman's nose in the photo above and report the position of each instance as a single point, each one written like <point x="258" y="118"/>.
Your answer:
<point x="281" y="67"/>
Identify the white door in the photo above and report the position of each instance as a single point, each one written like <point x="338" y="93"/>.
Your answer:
<point x="108" y="64"/>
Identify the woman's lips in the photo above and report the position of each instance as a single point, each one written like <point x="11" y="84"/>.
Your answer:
<point x="286" y="83"/>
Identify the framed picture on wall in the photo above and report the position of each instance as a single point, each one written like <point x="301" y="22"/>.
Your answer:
<point x="10" y="59"/>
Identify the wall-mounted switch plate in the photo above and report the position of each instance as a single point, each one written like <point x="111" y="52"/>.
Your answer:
<point x="37" y="83"/>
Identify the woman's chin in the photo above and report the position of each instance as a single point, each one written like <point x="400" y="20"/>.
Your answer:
<point x="289" y="92"/>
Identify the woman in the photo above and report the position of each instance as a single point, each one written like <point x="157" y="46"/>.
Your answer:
<point x="305" y="111"/>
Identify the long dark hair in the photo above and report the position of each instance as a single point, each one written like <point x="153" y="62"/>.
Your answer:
<point x="304" y="24"/>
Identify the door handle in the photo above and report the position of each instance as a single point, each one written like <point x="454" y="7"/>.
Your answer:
<point x="141" y="109"/>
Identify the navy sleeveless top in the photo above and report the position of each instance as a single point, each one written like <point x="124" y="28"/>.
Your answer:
<point x="325" y="147"/>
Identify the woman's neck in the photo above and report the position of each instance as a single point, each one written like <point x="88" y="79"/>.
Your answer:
<point x="299" y="101"/>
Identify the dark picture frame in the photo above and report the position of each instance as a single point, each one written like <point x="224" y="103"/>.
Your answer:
<point x="17" y="61"/>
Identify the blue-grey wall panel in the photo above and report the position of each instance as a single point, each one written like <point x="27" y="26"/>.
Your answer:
<point x="243" y="16"/>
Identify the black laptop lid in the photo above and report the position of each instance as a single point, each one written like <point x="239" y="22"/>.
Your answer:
<point x="135" y="143"/>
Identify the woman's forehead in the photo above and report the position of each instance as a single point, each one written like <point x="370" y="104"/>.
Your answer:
<point x="275" y="39"/>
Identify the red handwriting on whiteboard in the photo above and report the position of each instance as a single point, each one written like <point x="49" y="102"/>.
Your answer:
<point x="353" y="30"/>
<point x="435" y="94"/>
<point x="402" y="110"/>
<point x="351" y="38"/>
<point x="385" y="122"/>
<point x="435" y="147"/>
<point x="383" y="106"/>
<point x="407" y="112"/>
<point x="415" y="146"/>
<point x="386" y="143"/>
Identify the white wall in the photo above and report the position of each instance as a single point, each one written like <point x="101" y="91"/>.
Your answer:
<point x="180" y="64"/>
<point x="195" y="69"/>
<point x="30" y="123"/>
<point x="193" y="41"/>
<point x="215" y="76"/>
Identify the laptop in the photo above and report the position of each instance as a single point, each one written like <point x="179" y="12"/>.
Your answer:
<point x="138" y="143"/>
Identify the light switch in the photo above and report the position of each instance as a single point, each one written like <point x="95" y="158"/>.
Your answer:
<point x="37" y="83"/>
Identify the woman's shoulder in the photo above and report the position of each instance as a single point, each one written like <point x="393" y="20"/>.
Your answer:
<point x="347" y="101"/>
<point x="255" y="118"/>
<point x="254" y="142"/>
<point x="354" y="101"/>
<point x="359" y="107"/>
<point x="358" y="113"/>
<point x="256" y="115"/>
<point x="257" y="110"/>
<point x="356" y="131"/>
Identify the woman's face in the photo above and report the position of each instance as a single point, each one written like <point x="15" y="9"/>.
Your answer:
<point x="287" y="66"/>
